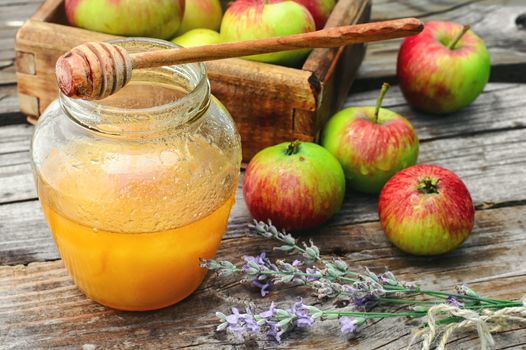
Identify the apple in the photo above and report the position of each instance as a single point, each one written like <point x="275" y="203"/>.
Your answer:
<point x="197" y="37"/>
<point x="298" y="185"/>
<point x="319" y="9"/>
<point x="157" y="19"/>
<point x="371" y="143"/>
<point x="426" y="210"/>
<point x="259" y="19"/>
<point x="201" y="14"/>
<point x="443" y="68"/>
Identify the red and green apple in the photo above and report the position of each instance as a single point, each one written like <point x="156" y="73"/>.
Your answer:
<point x="259" y="19"/>
<point x="201" y="14"/>
<point x="157" y="19"/>
<point x="297" y="185"/>
<point x="426" y="210"/>
<point x="371" y="143"/>
<point x="444" y="68"/>
<point x="319" y="9"/>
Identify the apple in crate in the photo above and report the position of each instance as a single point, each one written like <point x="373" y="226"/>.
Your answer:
<point x="371" y="143"/>
<point x="319" y="9"/>
<point x="444" y="68"/>
<point x="201" y="14"/>
<point x="198" y="37"/>
<point x="426" y="210"/>
<point x="297" y="185"/>
<point x="145" y="18"/>
<point x="259" y="19"/>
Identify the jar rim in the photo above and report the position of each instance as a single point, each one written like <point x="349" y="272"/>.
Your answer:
<point x="199" y="89"/>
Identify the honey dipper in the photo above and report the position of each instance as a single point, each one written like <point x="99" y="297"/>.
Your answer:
<point x="95" y="70"/>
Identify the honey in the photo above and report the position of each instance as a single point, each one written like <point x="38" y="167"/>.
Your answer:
<point x="130" y="225"/>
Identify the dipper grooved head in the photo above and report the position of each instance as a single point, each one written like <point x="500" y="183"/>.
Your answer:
<point x="93" y="70"/>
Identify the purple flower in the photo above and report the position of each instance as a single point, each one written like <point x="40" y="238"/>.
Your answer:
<point x="274" y="331"/>
<point x="303" y="316"/>
<point x="297" y="263"/>
<point x="235" y="323"/>
<point x="256" y="264"/>
<point x="262" y="286"/>
<point x="350" y="325"/>
<point x="360" y="295"/>
<point x="312" y="272"/>
<point x="250" y="322"/>
<point x="451" y="300"/>
<point x="270" y="312"/>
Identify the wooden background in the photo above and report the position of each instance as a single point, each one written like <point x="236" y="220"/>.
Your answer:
<point x="484" y="144"/>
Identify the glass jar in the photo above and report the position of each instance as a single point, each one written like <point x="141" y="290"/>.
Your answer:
<point x="136" y="188"/>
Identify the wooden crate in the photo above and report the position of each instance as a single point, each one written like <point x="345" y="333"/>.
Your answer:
<point x="269" y="103"/>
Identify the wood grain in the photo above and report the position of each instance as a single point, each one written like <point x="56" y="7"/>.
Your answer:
<point x="41" y="309"/>
<point x="493" y="21"/>
<point x="481" y="146"/>
<point x="51" y="312"/>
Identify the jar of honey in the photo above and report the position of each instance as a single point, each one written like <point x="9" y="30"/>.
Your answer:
<point x="137" y="187"/>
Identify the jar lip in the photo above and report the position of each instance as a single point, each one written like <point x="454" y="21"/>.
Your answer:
<point x="202" y="83"/>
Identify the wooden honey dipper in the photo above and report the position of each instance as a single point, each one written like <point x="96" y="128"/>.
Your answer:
<point x="96" y="70"/>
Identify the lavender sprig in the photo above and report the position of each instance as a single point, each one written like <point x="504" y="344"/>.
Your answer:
<point x="390" y="283"/>
<point x="362" y="289"/>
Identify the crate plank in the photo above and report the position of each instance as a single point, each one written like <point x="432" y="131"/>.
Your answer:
<point x="40" y="307"/>
<point x="274" y="93"/>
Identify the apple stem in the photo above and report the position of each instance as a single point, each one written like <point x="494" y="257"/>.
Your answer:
<point x="293" y="148"/>
<point x="383" y="90"/>
<point x="459" y="36"/>
<point x="428" y="185"/>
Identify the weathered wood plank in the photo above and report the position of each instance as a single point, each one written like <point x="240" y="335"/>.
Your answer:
<point x="499" y="108"/>
<point x="494" y="21"/>
<point x="8" y="99"/>
<point x="39" y="306"/>
<point x="482" y="160"/>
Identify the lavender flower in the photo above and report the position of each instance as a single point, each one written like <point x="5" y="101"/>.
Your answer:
<point x="273" y="322"/>
<point x="333" y="280"/>
<point x="234" y="323"/>
<point x="350" y="325"/>
<point x="451" y="300"/>
<point x="254" y="267"/>
<point x="313" y="271"/>
<point x="303" y="318"/>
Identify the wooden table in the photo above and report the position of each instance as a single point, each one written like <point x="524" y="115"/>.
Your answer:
<point x="484" y="144"/>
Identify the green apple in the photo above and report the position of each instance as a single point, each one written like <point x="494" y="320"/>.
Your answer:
<point x="157" y="19"/>
<point x="259" y="19"/>
<point x="201" y="14"/>
<point x="197" y="37"/>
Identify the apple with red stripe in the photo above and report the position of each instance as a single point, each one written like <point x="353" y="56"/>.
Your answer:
<point x="444" y="68"/>
<point x="297" y="185"/>
<point x="260" y="19"/>
<point x="426" y="210"/>
<point x="319" y="9"/>
<point x="371" y="143"/>
<point x="157" y="19"/>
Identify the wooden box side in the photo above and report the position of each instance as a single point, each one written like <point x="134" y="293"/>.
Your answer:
<point x="269" y="103"/>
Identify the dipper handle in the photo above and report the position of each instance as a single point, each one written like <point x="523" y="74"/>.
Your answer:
<point x="97" y="70"/>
